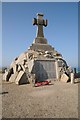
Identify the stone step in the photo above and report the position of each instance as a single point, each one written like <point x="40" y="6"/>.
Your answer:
<point x="44" y="47"/>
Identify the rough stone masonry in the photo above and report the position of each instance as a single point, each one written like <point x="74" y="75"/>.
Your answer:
<point x="40" y="62"/>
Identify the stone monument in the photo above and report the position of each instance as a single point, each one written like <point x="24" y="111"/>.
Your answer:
<point x="40" y="62"/>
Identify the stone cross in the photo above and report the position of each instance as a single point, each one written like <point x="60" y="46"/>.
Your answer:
<point x="40" y="22"/>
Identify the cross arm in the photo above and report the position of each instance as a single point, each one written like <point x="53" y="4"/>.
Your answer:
<point x="34" y="21"/>
<point x="39" y="22"/>
<point x="45" y="22"/>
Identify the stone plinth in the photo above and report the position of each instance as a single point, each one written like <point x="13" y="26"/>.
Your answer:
<point x="44" y="47"/>
<point x="40" y="40"/>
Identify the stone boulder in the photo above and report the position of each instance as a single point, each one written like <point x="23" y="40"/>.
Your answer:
<point x="64" y="78"/>
<point x="8" y="74"/>
<point x="13" y="77"/>
<point x="21" y="78"/>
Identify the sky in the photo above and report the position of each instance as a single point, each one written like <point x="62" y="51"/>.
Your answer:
<point x="18" y="32"/>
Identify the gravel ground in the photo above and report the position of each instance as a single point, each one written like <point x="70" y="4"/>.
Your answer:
<point x="59" y="100"/>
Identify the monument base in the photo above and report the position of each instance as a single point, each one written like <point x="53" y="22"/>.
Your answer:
<point x="39" y="46"/>
<point x="40" y="40"/>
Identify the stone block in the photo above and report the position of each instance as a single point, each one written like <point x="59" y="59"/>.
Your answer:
<point x="21" y="58"/>
<point x="8" y="74"/>
<point x="30" y="55"/>
<point x="72" y="78"/>
<point x="15" y="68"/>
<point x="13" y="77"/>
<point x="5" y="76"/>
<point x="48" y="52"/>
<point x="21" y="78"/>
<point x="19" y="68"/>
<point x="23" y="68"/>
<point x="41" y="40"/>
<point x="64" y="78"/>
<point x="42" y="47"/>
<point x="23" y="62"/>
<point x="26" y="66"/>
<point x="35" y="55"/>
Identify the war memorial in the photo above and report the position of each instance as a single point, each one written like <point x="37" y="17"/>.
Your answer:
<point x="39" y="62"/>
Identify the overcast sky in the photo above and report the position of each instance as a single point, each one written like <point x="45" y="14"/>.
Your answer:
<point x="18" y="32"/>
